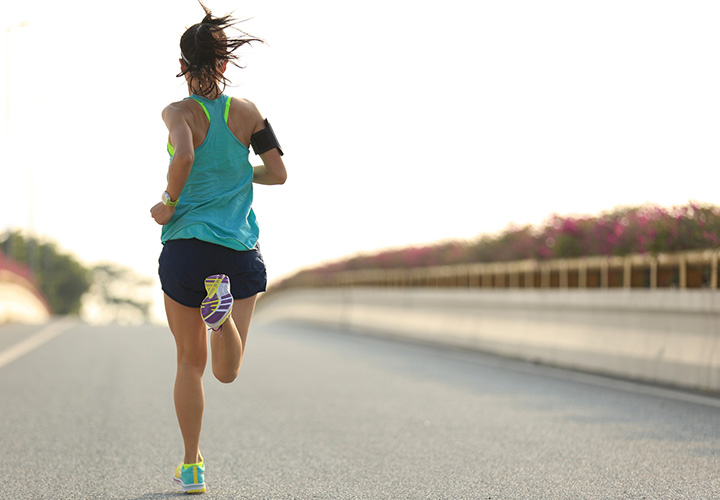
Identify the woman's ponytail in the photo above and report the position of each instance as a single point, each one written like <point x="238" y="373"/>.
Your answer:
<point x="205" y="47"/>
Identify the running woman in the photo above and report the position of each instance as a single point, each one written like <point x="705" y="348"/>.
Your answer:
<point x="210" y="268"/>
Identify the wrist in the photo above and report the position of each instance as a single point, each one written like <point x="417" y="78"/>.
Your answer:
<point x="168" y="201"/>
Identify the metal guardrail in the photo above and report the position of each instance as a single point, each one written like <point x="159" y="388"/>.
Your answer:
<point x="688" y="269"/>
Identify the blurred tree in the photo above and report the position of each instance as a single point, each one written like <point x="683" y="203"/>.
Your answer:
<point x="60" y="277"/>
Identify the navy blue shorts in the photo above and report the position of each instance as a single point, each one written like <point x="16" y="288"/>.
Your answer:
<point x="184" y="265"/>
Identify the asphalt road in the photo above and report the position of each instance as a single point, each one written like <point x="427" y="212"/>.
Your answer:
<point x="316" y="414"/>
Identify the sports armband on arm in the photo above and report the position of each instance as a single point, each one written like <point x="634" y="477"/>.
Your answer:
<point x="265" y="140"/>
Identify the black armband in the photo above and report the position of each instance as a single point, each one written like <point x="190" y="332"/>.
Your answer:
<point x="265" y="140"/>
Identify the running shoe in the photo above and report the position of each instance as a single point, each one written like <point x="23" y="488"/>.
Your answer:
<point x="216" y="307"/>
<point x="191" y="477"/>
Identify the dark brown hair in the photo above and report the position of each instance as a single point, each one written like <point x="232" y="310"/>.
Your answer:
<point x="205" y="47"/>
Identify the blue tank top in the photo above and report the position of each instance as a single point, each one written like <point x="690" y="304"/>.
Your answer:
<point x="216" y="203"/>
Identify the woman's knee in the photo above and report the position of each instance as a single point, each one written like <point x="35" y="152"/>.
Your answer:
<point x="194" y="359"/>
<point x="192" y="365"/>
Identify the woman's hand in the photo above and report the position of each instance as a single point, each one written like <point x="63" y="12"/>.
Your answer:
<point x="162" y="213"/>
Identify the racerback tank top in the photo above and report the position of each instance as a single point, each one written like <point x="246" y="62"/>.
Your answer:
<point x="216" y="203"/>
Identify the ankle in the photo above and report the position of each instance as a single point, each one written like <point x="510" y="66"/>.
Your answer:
<point x="192" y="459"/>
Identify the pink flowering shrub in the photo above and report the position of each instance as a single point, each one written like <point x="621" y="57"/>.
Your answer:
<point x="7" y="263"/>
<point x="644" y="229"/>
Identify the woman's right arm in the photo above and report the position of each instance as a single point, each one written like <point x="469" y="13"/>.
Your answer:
<point x="176" y="119"/>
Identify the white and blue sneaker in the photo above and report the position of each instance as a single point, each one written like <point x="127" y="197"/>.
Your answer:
<point x="191" y="477"/>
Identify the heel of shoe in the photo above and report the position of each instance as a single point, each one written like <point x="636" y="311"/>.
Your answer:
<point x="196" y="479"/>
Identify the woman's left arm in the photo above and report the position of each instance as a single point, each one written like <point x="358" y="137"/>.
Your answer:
<point x="272" y="171"/>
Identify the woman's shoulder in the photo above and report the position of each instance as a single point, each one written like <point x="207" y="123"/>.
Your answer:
<point x="244" y="105"/>
<point x="177" y="107"/>
<point x="246" y="111"/>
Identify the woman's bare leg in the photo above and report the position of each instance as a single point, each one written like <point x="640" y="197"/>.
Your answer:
<point x="228" y="344"/>
<point x="190" y="335"/>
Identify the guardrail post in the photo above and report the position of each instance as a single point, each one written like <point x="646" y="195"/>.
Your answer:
<point x="582" y="274"/>
<point x="563" y="271"/>
<point x="514" y="275"/>
<point x="627" y="273"/>
<point x="653" y="272"/>
<point x="485" y="279"/>
<point x="714" y="270"/>
<point x="604" y="274"/>
<point x="683" y="272"/>
<point x="474" y="277"/>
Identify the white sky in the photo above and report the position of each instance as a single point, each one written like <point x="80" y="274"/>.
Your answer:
<point x="402" y="121"/>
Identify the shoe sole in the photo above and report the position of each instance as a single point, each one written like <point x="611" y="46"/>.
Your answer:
<point x="190" y="488"/>
<point x="217" y="306"/>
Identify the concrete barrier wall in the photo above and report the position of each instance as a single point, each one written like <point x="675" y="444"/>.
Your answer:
<point x="662" y="336"/>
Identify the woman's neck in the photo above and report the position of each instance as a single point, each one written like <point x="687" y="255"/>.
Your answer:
<point x="208" y="93"/>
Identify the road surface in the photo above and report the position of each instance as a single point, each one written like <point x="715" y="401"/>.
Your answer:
<point x="87" y="412"/>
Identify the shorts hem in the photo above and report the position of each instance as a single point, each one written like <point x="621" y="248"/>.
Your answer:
<point x="247" y="295"/>
<point x="182" y="303"/>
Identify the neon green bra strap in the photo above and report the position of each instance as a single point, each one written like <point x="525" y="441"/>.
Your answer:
<point x="203" y="107"/>
<point x="227" y="107"/>
<point x="171" y="149"/>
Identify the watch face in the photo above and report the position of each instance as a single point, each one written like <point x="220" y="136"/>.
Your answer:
<point x="167" y="201"/>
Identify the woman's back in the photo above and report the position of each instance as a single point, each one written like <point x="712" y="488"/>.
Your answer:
<point x="216" y="202"/>
<point x="243" y="119"/>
